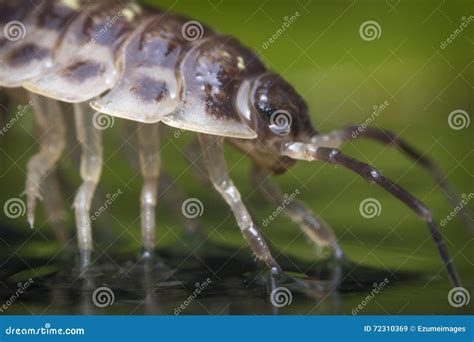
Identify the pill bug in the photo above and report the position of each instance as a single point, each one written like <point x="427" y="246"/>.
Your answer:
<point x="149" y="66"/>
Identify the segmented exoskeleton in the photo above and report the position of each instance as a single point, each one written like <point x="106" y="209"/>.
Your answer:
<point x="149" y="66"/>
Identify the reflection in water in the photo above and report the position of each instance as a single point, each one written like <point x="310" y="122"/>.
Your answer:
<point x="216" y="282"/>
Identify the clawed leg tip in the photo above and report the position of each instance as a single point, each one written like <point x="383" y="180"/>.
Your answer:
<point x="85" y="258"/>
<point x="276" y="271"/>
<point x="147" y="253"/>
<point x="31" y="207"/>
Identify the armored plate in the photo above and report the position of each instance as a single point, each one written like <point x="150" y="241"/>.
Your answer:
<point x="86" y="62"/>
<point x="29" y="37"/>
<point x="212" y="72"/>
<point x="150" y="87"/>
<point x="142" y="61"/>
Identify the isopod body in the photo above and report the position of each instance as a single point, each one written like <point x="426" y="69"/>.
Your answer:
<point x="149" y="66"/>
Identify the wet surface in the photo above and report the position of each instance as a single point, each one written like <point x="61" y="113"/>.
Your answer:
<point x="341" y="83"/>
<point x="211" y="280"/>
<point x="152" y="288"/>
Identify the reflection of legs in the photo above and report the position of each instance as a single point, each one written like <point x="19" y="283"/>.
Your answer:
<point x="316" y="230"/>
<point x="149" y="156"/>
<point x="217" y="168"/>
<point x="90" y="139"/>
<point x="51" y="133"/>
<point x="313" y="152"/>
<point x="337" y="138"/>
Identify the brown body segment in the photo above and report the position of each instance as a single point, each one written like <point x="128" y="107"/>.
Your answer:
<point x="10" y="11"/>
<point x="154" y="71"/>
<point x="212" y="73"/>
<point x="13" y="11"/>
<point x="87" y="59"/>
<point x="151" y="85"/>
<point x="32" y="30"/>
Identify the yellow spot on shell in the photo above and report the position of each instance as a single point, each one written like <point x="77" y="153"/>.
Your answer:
<point x="74" y="4"/>
<point x="128" y="14"/>
<point x="131" y="11"/>
<point x="135" y="7"/>
<point x="240" y="63"/>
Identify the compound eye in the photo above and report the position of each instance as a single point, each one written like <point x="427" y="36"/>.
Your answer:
<point x="279" y="120"/>
<point x="264" y="107"/>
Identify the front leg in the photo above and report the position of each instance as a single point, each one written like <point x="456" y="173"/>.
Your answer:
<point x="51" y="133"/>
<point x="315" y="229"/>
<point x="218" y="173"/>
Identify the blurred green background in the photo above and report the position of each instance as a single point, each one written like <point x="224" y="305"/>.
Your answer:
<point x="342" y="77"/>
